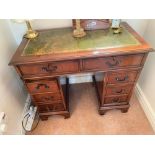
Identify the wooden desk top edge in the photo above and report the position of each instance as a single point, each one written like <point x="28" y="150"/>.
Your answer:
<point x="143" y="48"/>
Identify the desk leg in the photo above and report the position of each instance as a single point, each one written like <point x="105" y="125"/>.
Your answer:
<point x="67" y="115"/>
<point x="67" y="90"/>
<point x="97" y="91"/>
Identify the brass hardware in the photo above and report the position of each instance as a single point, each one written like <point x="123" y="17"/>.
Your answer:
<point x="114" y="63"/>
<point x="115" y="25"/>
<point x="47" y="98"/>
<point x="79" y="31"/>
<point x="119" y="91"/>
<point x="121" y="80"/>
<point x="30" y="34"/>
<point x="116" y="100"/>
<point x="42" y="84"/>
<point x="117" y="30"/>
<point x="49" y="69"/>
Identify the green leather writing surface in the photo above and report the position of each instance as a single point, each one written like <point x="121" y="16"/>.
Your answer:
<point x="61" y="41"/>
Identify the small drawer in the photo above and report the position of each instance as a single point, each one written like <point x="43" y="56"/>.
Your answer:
<point x="47" y="98"/>
<point x="41" y="86"/>
<point x="106" y="63"/>
<point x="122" y="77"/>
<point x="51" y="107"/>
<point x="118" y="89"/>
<point x="50" y="68"/>
<point x="116" y="99"/>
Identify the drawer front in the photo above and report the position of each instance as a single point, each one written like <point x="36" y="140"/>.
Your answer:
<point x="50" y="68"/>
<point x="118" y="90"/>
<point x="41" y="86"/>
<point x="112" y="62"/>
<point x="51" y="107"/>
<point x="47" y="98"/>
<point x="116" y="99"/>
<point x="122" y="77"/>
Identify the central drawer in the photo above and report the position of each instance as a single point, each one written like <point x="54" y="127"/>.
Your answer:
<point x="105" y="63"/>
<point x="50" y="68"/>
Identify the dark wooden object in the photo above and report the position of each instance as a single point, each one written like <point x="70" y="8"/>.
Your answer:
<point x="93" y="24"/>
<point x="120" y="66"/>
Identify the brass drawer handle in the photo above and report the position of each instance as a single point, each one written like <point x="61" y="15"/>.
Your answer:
<point x="47" y="98"/>
<point x="115" y="100"/>
<point x="121" y="80"/>
<point x="118" y="91"/>
<point x="114" y="63"/>
<point x="41" y="85"/>
<point x="49" y="69"/>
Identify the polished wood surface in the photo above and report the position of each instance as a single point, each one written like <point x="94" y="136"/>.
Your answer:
<point x="122" y="76"/>
<point x="44" y="85"/>
<point x="112" y="62"/>
<point x="117" y="67"/>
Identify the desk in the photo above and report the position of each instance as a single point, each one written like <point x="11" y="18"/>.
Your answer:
<point x="115" y="60"/>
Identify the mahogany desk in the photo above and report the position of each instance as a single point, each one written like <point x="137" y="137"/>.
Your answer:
<point x="115" y="60"/>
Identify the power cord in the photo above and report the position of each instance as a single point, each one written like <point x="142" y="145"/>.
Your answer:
<point x="27" y="117"/>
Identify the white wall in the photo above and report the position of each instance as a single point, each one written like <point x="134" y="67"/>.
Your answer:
<point x="19" y="29"/>
<point x="138" y="24"/>
<point x="147" y="78"/>
<point x="12" y="97"/>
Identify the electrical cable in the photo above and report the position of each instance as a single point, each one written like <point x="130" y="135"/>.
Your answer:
<point x="27" y="116"/>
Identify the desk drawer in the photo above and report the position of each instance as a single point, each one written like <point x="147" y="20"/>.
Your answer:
<point x="47" y="98"/>
<point x="116" y="99"/>
<point x="41" y="86"/>
<point x="51" y="107"/>
<point x="50" y="68"/>
<point x="122" y="77"/>
<point x="118" y="89"/>
<point x="112" y="62"/>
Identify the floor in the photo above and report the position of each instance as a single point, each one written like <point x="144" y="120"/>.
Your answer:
<point x="86" y="120"/>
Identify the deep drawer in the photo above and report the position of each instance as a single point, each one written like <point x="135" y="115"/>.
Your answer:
<point x="51" y="107"/>
<point x="47" y="98"/>
<point x="118" y="89"/>
<point x="116" y="99"/>
<point x="106" y="63"/>
<point x="49" y="68"/>
<point x="41" y="86"/>
<point x="122" y="77"/>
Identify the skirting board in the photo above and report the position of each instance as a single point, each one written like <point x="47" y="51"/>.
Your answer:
<point x="146" y="106"/>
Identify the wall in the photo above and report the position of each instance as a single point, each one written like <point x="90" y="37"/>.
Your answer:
<point x="146" y="83"/>
<point x="12" y="97"/>
<point x="19" y="29"/>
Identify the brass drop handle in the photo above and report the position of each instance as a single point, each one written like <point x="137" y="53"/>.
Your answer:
<point x="119" y="91"/>
<point x="114" y="63"/>
<point x="49" y="68"/>
<point x="116" y="100"/>
<point x="42" y="85"/>
<point x="121" y="80"/>
<point x="47" y="98"/>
